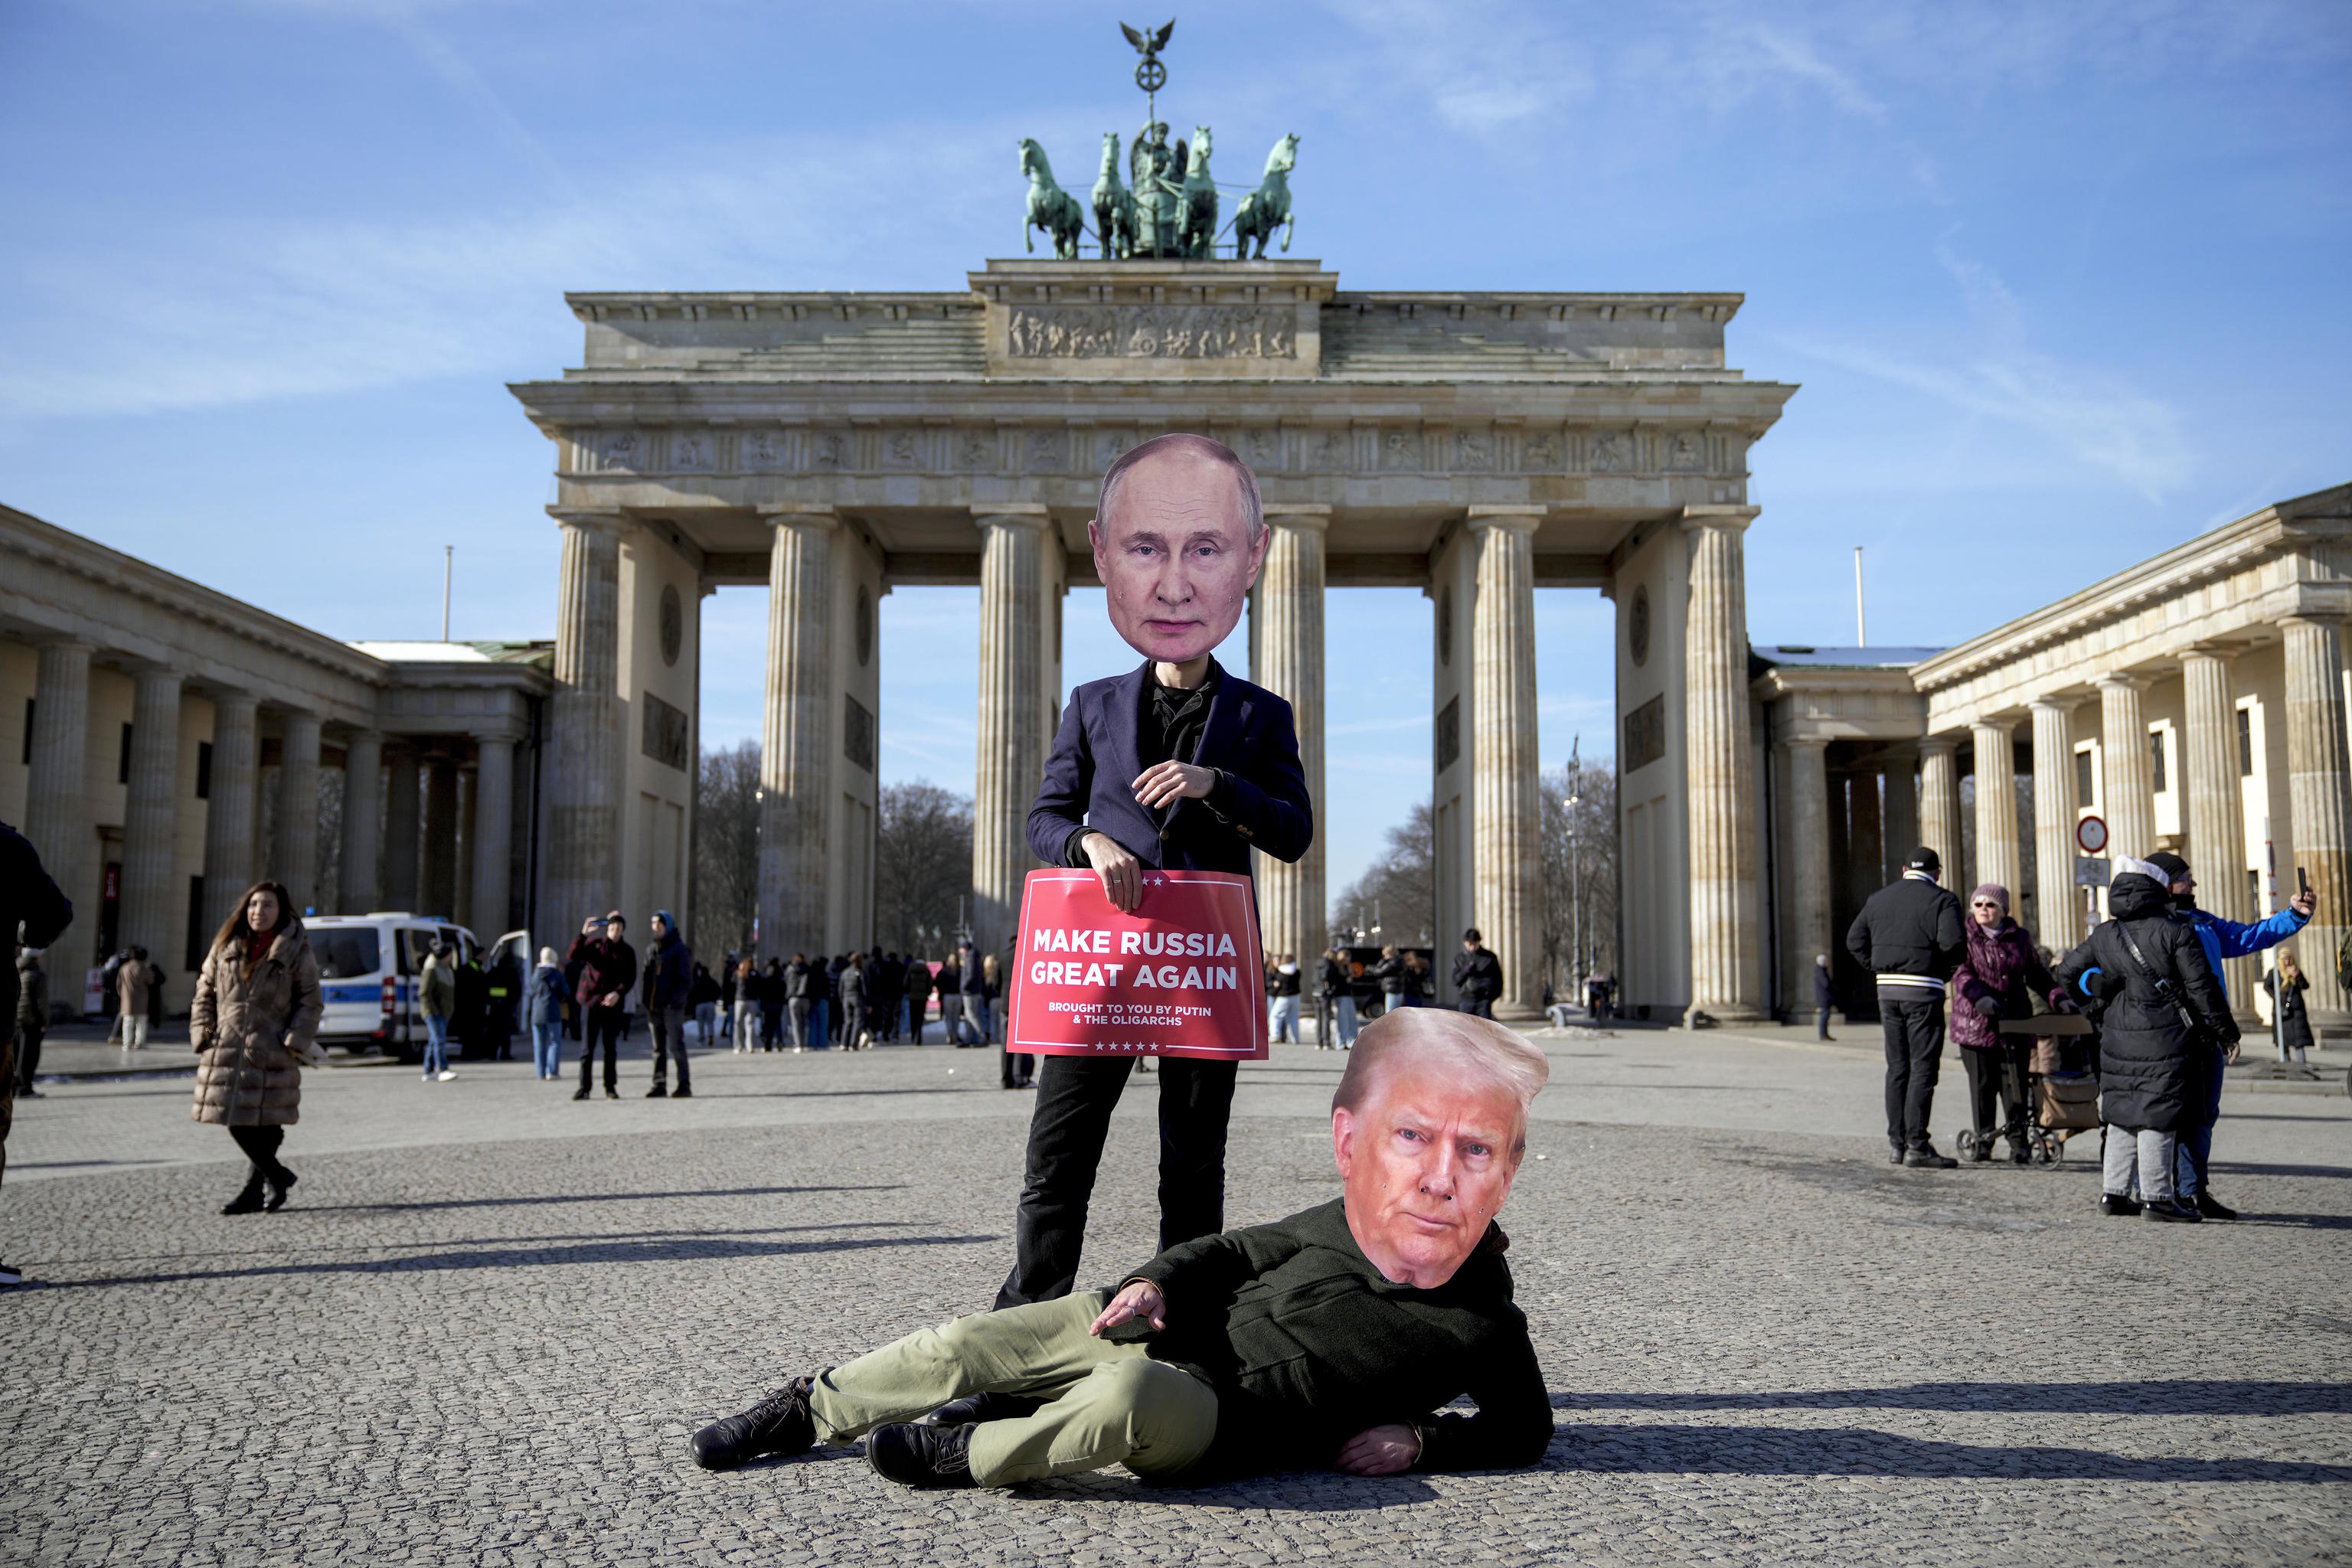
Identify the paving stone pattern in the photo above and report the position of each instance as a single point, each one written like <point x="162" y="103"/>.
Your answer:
<point x="488" y="1322"/>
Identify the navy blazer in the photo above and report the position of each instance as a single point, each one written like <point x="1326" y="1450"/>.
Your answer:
<point x="1249" y="736"/>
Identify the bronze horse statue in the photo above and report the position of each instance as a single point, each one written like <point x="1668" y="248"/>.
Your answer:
<point x="1115" y="218"/>
<point x="1267" y="208"/>
<point x="1196" y="221"/>
<point x="1051" y="208"/>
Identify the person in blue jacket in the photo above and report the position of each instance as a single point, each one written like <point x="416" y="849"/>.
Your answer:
<point x="2221" y="939"/>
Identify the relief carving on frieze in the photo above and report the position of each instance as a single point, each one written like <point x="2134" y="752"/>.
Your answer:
<point x="690" y="450"/>
<point x="1156" y="331"/>
<point x="1613" y="453"/>
<point x="830" y="451"/>
<point x="1331" y="450"/>
<point x="904" y="447"/>
<point x="1540" y="453"/>
<point x="1687" y="454"/>
<point x="1049" y="449"/>
<point x="1401" y="449"/>
<point x="1474" y="450"/>
<point x="975" y="450"/>
<point x="1262" y="448"/>
<point x="762" y="450"/>
<point x="620" y="451"/>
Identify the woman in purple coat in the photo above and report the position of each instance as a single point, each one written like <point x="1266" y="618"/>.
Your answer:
<point x="1998" y="979"/>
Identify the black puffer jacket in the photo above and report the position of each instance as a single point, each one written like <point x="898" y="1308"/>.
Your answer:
<point x="1910" y="928"/>
<point x="2151" y="1071"/>
<point x="1478" y="975"/>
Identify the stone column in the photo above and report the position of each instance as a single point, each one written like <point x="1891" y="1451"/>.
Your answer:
<point x="151" y="816"/>
<point x="796" y="735"/>
<point x="228" y="817"/>
<point x="583" y="826"/>
<point x="1725" y="940"/>
<point x="363" y="810"/>
<point x="2217" y="812"/>
<point x="295" y="857"/>
<point x="1808" y="869"/>
<point x="1997" y="857"/>
<point x="493" y="843"/>
<point x="1010" y="744"/>
<point x="1507" y="802"/>
<point x="439" y="875"/>
<point x="2126" y="789"/>
<point x="57" y="808"/>
<point x="1901" y="829"/>
<point x="401" y="837"/>
<point x="1940" y="803"/>
<point x="2319" y="786"/>
<point x="1288" y="623"/>
<point x="2055" y="811"/>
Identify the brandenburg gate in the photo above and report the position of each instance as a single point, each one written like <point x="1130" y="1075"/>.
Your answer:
<point x="1474" y="446"/>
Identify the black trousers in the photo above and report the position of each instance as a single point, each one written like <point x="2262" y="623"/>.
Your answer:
<point x="604" y="1024"/>
<point x="669" y="1041"/>
<point x="1016" y="1069"/>
<point x="1915" y="1049"/>
<point x="260" y="1145"/>
<point x="1999" y="1072"/>
<point x="29" y="1055"/>
<point x="1075" y="1096"/>
<point x="1482" y="1008"/>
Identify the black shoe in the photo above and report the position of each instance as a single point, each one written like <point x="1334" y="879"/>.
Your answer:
<point x="658" y="1091"/>
<point x="1897" y="1155"/>
<point x="582" y="1095"/>
<point x="2173" y="1212"/>
<point x="612" y="1093"/>
<point x="918" y="1455"/>
<point x="1927" y="1158"/>
<point x="683" y="1093"/>
<point x="2212" y="1207"/>
<point x="780" y="1424"/>
<point x="2117" y="1205"/>
<point x="278" y="1190"/>
<point x="974" y="1408"/>
<point x="2020" y="1155"/>
<point x="249" y="1200"/>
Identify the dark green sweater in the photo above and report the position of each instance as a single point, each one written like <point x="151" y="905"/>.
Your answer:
<point x="1307" y="1345"/>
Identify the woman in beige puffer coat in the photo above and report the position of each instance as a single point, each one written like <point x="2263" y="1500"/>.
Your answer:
<point x="255" y="1025"/>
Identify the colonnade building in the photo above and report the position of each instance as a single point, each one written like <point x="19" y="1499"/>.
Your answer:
<point x="1473" y="446"/>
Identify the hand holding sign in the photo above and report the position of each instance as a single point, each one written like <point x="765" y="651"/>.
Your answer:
<point x="1177" y="975"/>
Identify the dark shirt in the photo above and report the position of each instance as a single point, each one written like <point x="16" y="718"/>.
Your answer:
<point x="1308" y="1344"/>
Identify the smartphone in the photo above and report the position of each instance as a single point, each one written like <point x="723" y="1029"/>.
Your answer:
<point x="2302" y="882"/>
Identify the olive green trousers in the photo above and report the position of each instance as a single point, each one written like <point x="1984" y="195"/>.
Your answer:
<point x="1107" y="1404"/>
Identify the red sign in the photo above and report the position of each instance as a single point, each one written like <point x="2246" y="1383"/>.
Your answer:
<point x="1180" y="976"/>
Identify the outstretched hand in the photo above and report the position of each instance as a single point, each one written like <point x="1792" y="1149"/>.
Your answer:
<point x="1138" y="1299"/>
<point x="1388" y="1451"/>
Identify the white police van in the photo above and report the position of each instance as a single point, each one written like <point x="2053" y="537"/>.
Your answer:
<point x="371" y="975"/>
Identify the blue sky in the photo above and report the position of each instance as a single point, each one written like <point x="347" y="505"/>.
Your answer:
<point x="2064" y="285"/>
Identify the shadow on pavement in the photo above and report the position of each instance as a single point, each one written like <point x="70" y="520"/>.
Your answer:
<point x="2232" y="1167"/>
<point x="2192" y="1396"/>
<point x="668" y="1249"/>
<point x="2306" y="1221"/>
<point x="1858" y="1451"/>
<point x="586" y="1198"/>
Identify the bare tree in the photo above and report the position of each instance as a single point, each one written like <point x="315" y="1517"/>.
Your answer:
<point x="1580" y="872"/>
<point x="1399" y="891"/>
<point x="727" y="848"/>
<point x="922" y="866"/>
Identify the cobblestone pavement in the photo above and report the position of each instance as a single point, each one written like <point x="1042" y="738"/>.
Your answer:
<point x="486" y="1325"/>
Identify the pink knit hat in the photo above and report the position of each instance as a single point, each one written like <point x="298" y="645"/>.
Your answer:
<point x="1993" y="890"/>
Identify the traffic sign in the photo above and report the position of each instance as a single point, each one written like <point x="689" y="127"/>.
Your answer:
<point x="2091" y="834"/>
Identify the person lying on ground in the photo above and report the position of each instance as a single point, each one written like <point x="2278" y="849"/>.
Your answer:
<point x="1333" y="1337"/>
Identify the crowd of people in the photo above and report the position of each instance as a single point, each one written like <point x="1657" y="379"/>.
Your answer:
<point x="2149" y="981"/>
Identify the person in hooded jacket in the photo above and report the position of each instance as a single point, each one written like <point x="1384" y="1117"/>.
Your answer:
<point x="2221" y="939"/>
<point x="607" y="971"/>
<point x="1478" y="975"/>
<point x="1999" y="979"/>
<point x="1908" y="936"/>
<point x="254" y="1024"/>
<point x="436" y="991"/>
<point x="2144" y="966"/>
<point x="669" y="987"/>
<point x="543" y="1014"/>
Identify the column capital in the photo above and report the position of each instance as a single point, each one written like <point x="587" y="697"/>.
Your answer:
<point x="1010" y="514"/>
<point x="793" y="513"/>
<point x="593" y="520"/>
<point x="2054" y="703"/>
<point x="1938" y="746"/>
<point x="1737" y="517"/>
<point x="1301" y="515"/>
<point x="2124" y="680"/>
<point x="506" y="734"/>
<point x="231" y="697"/>
<point x="1796" y="744"/>
<point x="63" y="643"/>
<point x="1518" y="518"/>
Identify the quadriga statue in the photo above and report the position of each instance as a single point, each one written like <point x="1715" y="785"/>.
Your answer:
<point x="1051" y="208"/>
<point x="1267" y="208"/>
